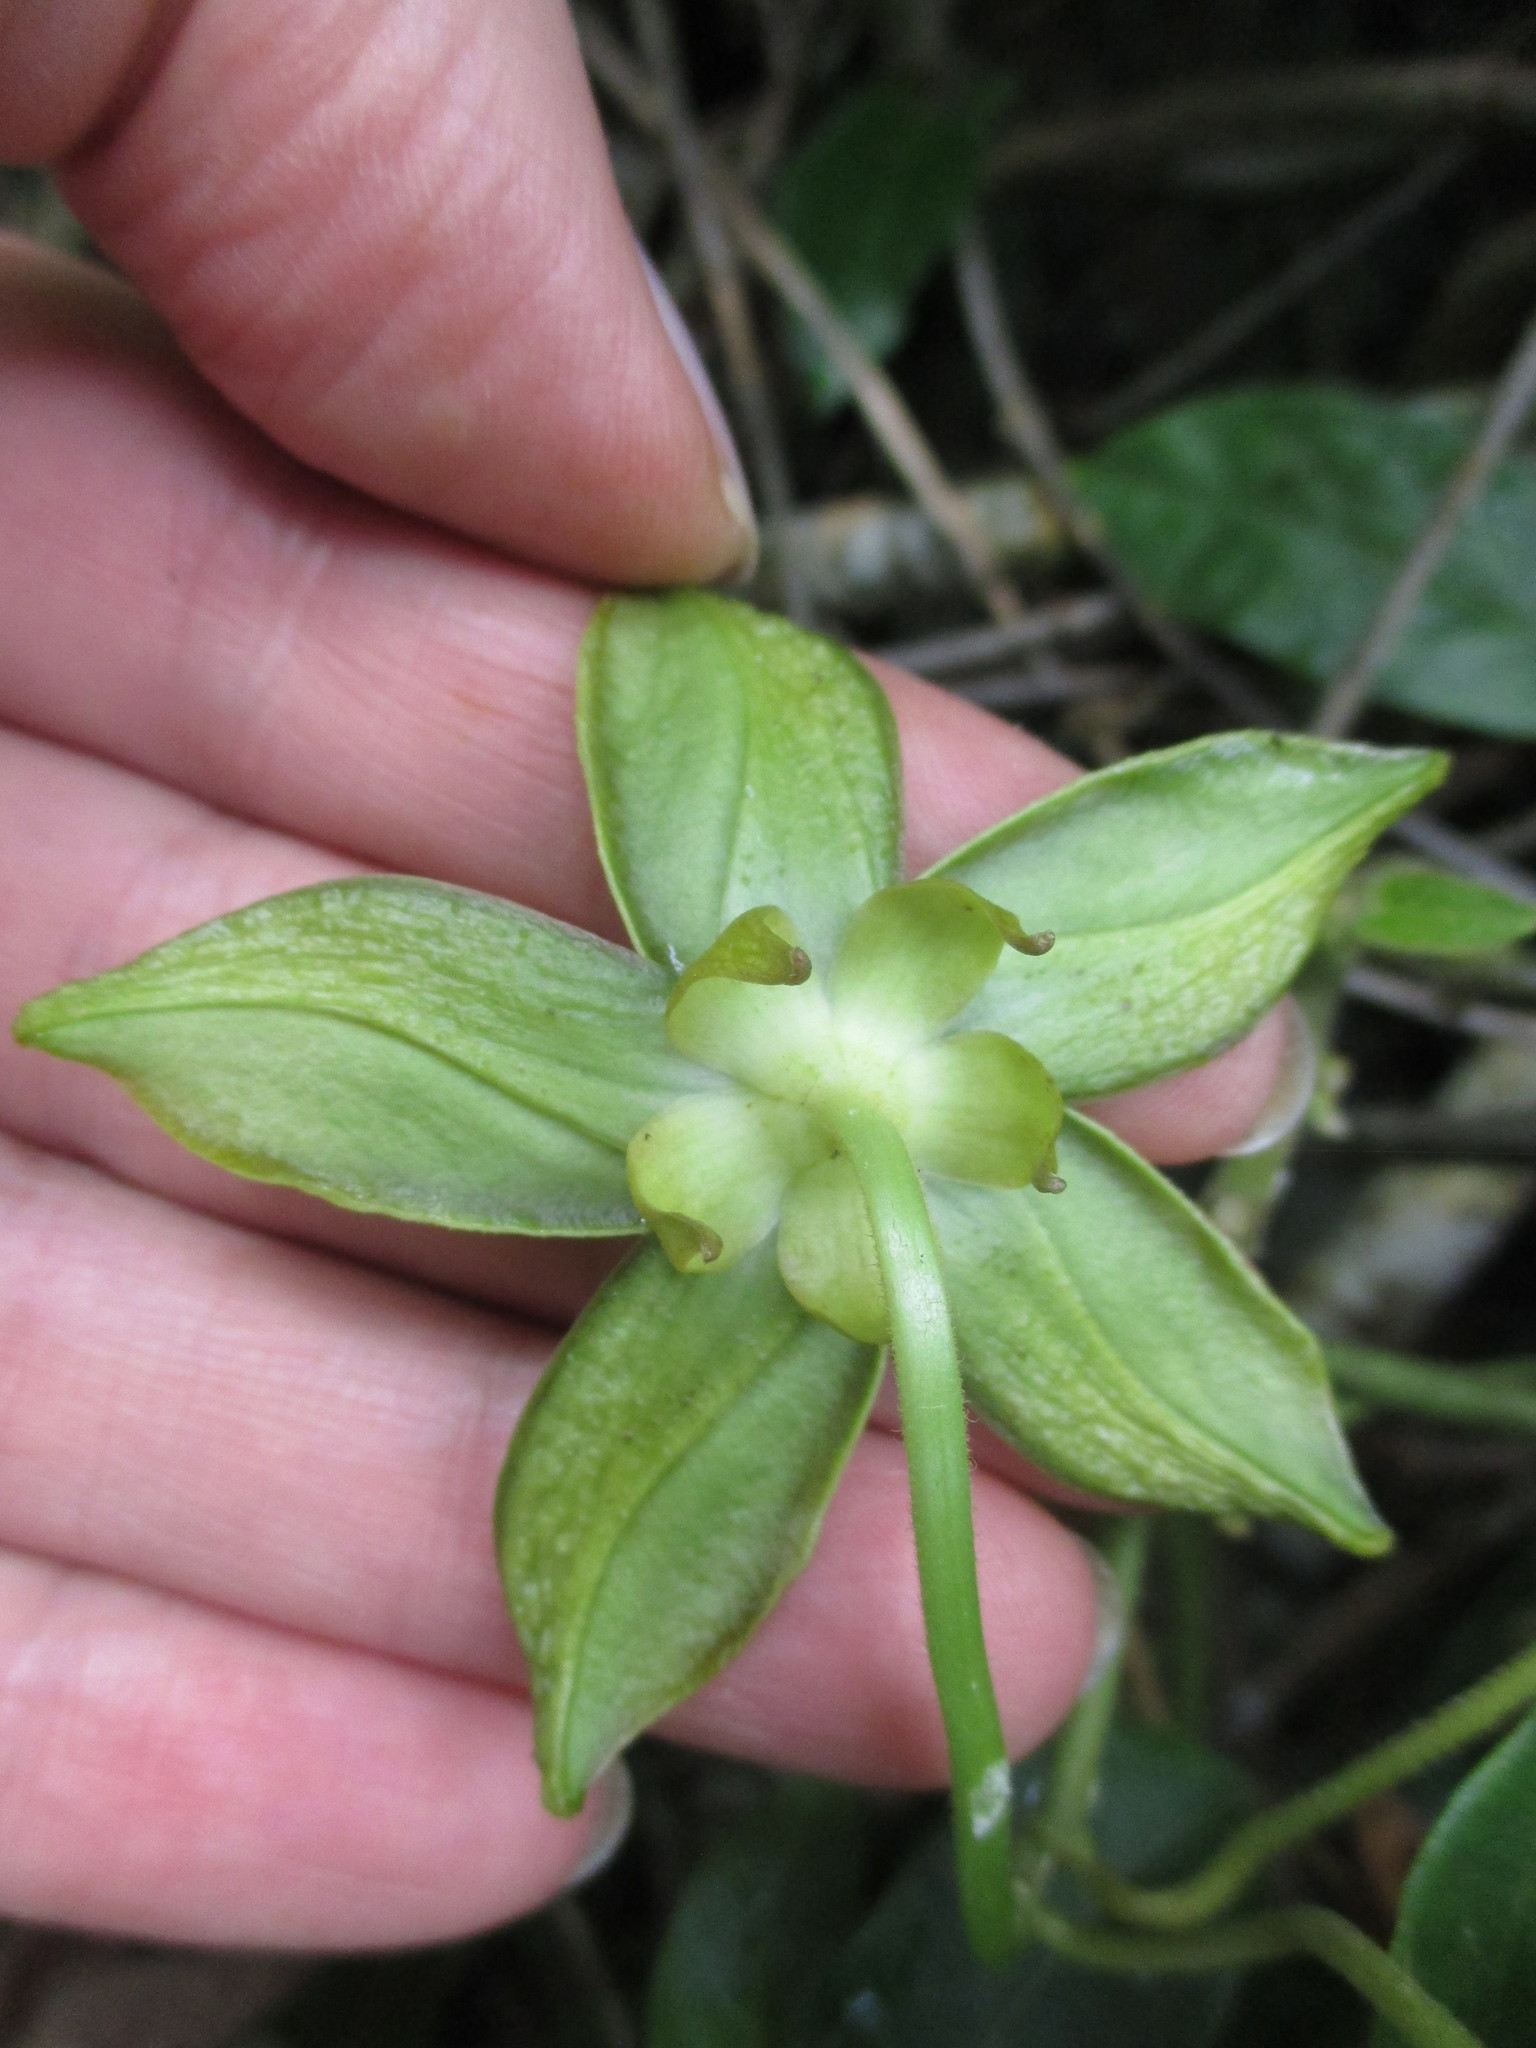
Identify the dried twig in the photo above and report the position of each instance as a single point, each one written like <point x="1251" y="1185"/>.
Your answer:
<point x="1369" y="1608"/>
<point x="787" y="27"/>
<point x="703" y="178"/>
<point x="1464" y="856"/>
<point x="1025" y="424"/>
<point x="1414" y="1235"/>
<point x="1052" y="682"/>
<point x="1512" y="398"/>
<point x="1463" y="93"/>
<point x="617" y="72"/>
<point x="882" y="405"/>
<point x="1507" y="1139"/>
<point x="698" y="183"/>
<point x="1410" y="998"/>
<point x="861" y="556"/>
<point x="1296" y="280"/>
<point x="1045" y="625"/>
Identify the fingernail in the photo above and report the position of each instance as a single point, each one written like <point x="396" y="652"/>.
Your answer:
<point x="1287" y="1101"/>
<point x="1109" y="1630"/>
<point x="611" y="1802"/>
<point x="733" y="478"/>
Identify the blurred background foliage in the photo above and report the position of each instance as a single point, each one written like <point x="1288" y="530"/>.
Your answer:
<point x="1109" y="364"/>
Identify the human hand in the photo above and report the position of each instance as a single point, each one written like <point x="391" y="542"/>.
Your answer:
<point x="258" y="1684"/>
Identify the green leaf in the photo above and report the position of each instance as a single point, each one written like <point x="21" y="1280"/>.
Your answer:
<point x="665" y="1484"/>
<point x="872" y="199"/>
<point x="733" y="762"/>
<point x="1185" y="888"/>
<point x="1116" y="1337"/>
<point x="907" y="1980"/>
<point x="1467" y="1926"/>
<point x="759" y="1924"/>
<point x="393" y="1045"/>
<point x="1411" y="909"/>
<point x="1280" y="517"/>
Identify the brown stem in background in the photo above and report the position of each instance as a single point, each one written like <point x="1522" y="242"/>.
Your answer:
<point x="1463" y="92"/>
<point x="697" y="181"/>
<point x="1025" y="425"/>
<point x="1295" y="281"/>
<point x="1508" y="407"/>
<point x="884" y="409"/>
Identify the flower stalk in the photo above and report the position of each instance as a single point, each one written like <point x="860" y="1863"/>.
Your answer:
<point x="938" y="1461"/>
<point x="1468" y="1717"/>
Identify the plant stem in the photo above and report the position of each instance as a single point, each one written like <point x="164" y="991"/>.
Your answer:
<point x="1025" y="424"/>
<point x="1513" y="397"/>
<point x="1388" y="1380"/>
<point x="1190" y="1561"/>
<point x="885" y="411"/>
<point x="1074" y="1780"/>
<point x="939" y="1468"/>
<point x="1266" y="1937"/>
<point x="1473" y="1713"/>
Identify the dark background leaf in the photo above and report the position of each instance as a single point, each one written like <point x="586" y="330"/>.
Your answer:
<point x="873" y="198"/>
<point x="1417" y="910"/>
<point x="1278" y="518"/>
<point x="1467" y="1929"/>
<point x="760" y="1923"/>
<point x="764" y="1947"/>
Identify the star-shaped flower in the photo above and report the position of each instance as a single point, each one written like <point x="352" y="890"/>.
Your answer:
<point x="832" y="1101"/>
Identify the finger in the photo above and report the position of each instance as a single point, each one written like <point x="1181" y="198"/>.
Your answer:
<point x="388" y="232"/>
<point x="176" y="598"/>
<point x="316" y="1447"/>
<point x="190" y="1776"/>
<point x="1189" y="1116"/>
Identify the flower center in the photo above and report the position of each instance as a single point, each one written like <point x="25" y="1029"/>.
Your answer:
<point x="716" y="1172"/>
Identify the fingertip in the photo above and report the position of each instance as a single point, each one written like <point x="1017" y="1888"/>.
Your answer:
<point x="466" y="333"/>
<point x="1215" y="1108"/>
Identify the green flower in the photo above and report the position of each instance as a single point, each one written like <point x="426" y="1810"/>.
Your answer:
<point x="713" y="1174"/>
<point x="832" y="1101"/>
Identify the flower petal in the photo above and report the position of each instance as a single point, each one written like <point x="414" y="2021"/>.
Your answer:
<point x="913" y="957"/>
<point x="709" y="1174"/>
<point x="1111" y="1333"/>
<point x="759" y="946"/>
<point x="773" y="1037"/>
<point x="979" y="1107"/>
<point x="665" y="1484"/>
<point x="827" y="1252"/>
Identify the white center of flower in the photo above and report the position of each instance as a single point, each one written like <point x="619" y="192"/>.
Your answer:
<point x="716" y="1172"/>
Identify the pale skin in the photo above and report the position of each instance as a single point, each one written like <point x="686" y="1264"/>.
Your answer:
<point x="256" y="1680"/>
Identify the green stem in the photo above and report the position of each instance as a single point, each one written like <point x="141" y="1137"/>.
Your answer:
<point x="1188" y="1548"/>
<point x="939" y="1467"/>
<point x="1074" y="1780"/>
<point x="1474" y="1713"/>
<point x="1266" y="1937"/>
<point x="1387" y="1380"/>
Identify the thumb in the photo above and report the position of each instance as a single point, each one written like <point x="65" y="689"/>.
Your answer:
<point x="387" y="231"/>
